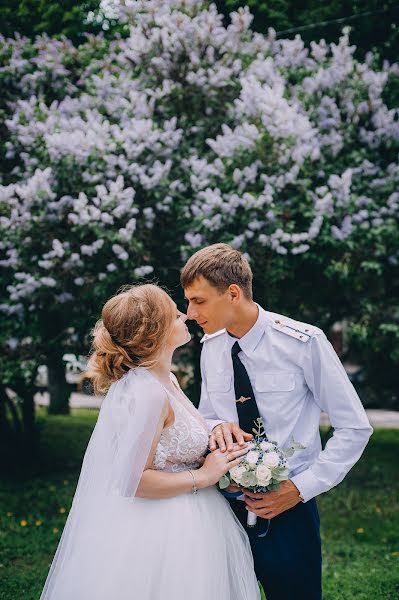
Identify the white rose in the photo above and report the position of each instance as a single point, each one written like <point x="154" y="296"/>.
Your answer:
<point x="267" y="446"/>
<point x="271" y="459"/>
<point x="236" y="473"/>
<point x="263" y="474"/>
<point x="252" y="457"/>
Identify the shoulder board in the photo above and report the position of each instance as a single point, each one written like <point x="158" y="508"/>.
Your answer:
<point x="209" y="336"/>
<point x="299" y="331"/>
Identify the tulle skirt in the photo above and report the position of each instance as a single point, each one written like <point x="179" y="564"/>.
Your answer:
<point x="189" y="546"/>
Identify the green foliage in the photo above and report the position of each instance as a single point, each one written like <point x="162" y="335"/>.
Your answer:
<point x="352" y="277"/>
<point x="379" y="30"/>
<point x="68" y="18"/>
<point x="224" y="482"/>
<point x="248" y="479"/>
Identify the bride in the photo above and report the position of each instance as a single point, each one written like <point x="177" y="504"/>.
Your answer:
<point x="147" y="522"/>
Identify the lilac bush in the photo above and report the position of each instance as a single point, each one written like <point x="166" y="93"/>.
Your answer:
<point x="122" y="158"/>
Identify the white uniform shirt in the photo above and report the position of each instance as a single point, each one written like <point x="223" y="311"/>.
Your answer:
<point x="295" y="374"/>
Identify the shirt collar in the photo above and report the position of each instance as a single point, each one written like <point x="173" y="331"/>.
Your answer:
<point x="250" y="340"/>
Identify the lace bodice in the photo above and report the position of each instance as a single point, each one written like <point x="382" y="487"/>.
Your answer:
<point x="182" y="444"/>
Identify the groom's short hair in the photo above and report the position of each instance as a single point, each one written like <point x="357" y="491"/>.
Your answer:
<point x="221" y="265"/>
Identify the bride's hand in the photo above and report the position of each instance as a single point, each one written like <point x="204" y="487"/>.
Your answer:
<point x="217" y="463"/>
<point x="223" y="436"/>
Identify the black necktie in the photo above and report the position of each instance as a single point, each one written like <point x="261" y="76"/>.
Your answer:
<point x="247" y="408"/>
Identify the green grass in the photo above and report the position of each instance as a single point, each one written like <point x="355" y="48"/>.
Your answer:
<point x="360" y="525"/>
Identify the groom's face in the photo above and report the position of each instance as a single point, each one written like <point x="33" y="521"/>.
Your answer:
<point x="207" y="305"/>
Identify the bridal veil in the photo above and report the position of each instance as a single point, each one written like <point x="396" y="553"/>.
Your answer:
<point x="111" y="471"/>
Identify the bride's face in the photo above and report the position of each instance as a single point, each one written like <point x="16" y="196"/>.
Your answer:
<point x="179" y="334"/>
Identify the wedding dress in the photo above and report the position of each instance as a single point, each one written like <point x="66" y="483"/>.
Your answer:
<point x="116" y="546"/>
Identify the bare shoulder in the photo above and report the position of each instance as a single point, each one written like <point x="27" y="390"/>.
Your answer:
<point x="155" y="392"/>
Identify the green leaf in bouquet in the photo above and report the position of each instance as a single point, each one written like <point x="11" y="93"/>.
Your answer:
<point x="277" y="470"/>
<point x="282" y="475"/>
<point x="248" y="479"/>
<point x="273" y="486"/>
<point x="224" y="482"/>
<point x="259" y="429"/>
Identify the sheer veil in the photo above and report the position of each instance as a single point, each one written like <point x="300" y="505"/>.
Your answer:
<point x="111" y="471"/>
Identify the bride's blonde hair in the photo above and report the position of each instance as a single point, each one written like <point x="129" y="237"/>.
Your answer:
<point x="133" y="328"/>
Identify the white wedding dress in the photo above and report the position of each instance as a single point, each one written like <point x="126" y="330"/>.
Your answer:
<point x="187" y="546"/>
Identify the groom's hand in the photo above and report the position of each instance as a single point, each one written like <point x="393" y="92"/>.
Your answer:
<point x="222" y="436"/>
<point x="271" y="504"/>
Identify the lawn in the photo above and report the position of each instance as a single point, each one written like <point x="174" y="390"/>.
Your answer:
<point x="360" y="524"/>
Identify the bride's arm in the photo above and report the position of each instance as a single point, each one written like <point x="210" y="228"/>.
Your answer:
<point x="159" y="484"/>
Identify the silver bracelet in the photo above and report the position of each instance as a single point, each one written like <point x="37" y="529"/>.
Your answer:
<point x="195" y="489"/>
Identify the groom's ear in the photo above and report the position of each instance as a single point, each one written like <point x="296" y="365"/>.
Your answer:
<point x="235" y="292"/>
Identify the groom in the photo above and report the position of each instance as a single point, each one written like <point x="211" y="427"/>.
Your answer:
<point x="257" y="363"/>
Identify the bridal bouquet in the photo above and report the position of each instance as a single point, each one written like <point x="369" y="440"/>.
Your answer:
<point x="263" y="467"/>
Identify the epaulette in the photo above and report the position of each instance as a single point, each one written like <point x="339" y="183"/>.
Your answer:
<point x="209" y="336"/>
<point x="300" y="331"/>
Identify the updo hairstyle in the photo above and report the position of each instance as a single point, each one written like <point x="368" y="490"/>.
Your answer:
<point x="134" y="326"/>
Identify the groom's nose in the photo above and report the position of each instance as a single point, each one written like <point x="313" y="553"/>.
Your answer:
<point x="191" y="313"/>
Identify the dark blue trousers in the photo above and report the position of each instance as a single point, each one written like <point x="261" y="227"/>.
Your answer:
<point x="288" y="558"/>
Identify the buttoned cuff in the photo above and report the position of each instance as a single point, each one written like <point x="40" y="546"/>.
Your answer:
<point x="308" y="485"/>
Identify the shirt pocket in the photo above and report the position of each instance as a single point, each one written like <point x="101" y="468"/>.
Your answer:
<point x="275" y="382"/>
<point x="219" y="383"/>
